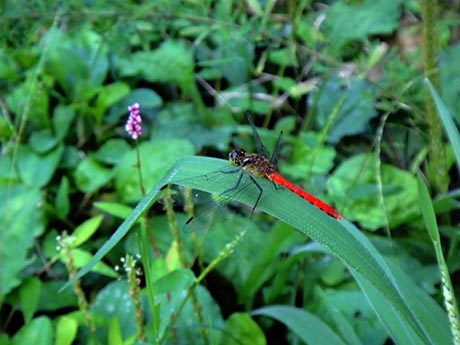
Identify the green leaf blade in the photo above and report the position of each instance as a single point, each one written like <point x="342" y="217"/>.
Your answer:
<point x="340" y="238"/>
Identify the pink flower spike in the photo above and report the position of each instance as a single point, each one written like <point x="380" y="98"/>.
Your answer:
<point x="133" y="125"/>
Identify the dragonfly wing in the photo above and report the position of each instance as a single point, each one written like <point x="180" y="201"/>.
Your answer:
<point x="276" y="151"/>
<point x="261" y="149"/>
<point x="212" y="209"/>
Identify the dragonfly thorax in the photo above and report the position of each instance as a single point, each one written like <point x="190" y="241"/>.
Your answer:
<point x="254" y="164"/>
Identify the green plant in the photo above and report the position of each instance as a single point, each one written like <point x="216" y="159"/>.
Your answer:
<point x="340" y="80"/>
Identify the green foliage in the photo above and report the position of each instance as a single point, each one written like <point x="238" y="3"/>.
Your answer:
<point x="348" y="22"/>
<point x="364" y="198"/>
<point x="21" y="222"/>
<point x="355" y="112"/>
<point x="349" y="100"/>
<point x="306" y="326"/>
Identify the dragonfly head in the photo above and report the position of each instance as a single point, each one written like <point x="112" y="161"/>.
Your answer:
<point x="236" y="157"/>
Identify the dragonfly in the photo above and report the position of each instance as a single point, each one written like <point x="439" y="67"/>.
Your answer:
<point x="264" y="166"/>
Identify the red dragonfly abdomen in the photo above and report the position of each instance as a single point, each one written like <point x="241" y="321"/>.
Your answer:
<point x="277" y="178"/>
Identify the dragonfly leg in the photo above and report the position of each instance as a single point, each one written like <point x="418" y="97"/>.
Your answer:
<point x="237" y="184"/>
<point x="258" y="197"/>
<point x="230" y="171"/>
<point x="276" y="186"/>
<point x="226" y="172"/>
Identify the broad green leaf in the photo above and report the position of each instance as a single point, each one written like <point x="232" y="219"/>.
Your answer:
<point x="223" y="232"/>
<point x="112" y="151"/>
<point x="42" y="141"/>
<point x="307" y="159"/>
<point x="29" y="293"/>
<point x="156" y="156"/>
<point x="305" y="325"/>
<point x="114" y="333"/>
<point x="284" y="83"/>
<point x="147" y="97"/>
<point x="113" y="301"/>
<point x="184" y="120"/>
<point x="355" y="113"/>
<point x="6" y="129"/>
<point x="8" y="175"/>
<point x="51" y="299"/>
<point x="78" y="61"/>
<point x="85" y="230"/>
<point x="241" y="329"/>
<point x="81" y="258"/>
<point x="114" y="209"/>
<point x="171" y="62"/>
<point x="38" y="331"/>
<point x="263" y="266"/>
<point x="62" y="202"/>
<point x="37" y="169"/>
<point x="108" y="96"/>
<point x="176" y="283"/>
<point x="346" y="22"/>
<point x="361" y="202"/>
<point x="66" y="330"/>
<point x="283" y="57"/>
<point x="234" y="56"/>
<point x="21" y="221"/>
<point x="91" y="175"/>
<point x="36" y="108"/>
<point x="340" y="238"/>
<point x="62" y="120"/>
<point x="186" y="320"/>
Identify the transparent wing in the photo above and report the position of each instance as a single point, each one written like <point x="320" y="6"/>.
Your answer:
<point x="212" y="209"/>
<point x="261" y="149"/>
<point x="276" y="151"/>
<point x="239" y="192"/>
